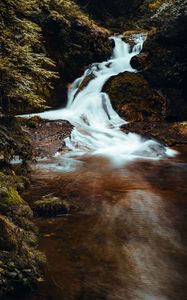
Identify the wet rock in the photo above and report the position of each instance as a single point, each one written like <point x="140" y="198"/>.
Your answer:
<point x="133" y="98"/>
<point x="85" y="82"/>
<point x="51" y="206"/>
<point x="169" y="133"/>
<point x="48" y="136"/>
<point x="139" y="61"/>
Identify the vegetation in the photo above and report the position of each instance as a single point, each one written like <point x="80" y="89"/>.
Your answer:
<point x="20" y="261"/>
<point x="27" y="72"/>
<point x="13" y="142"/>
<point x="158" y="3"/>
<point x="24" y="65"/>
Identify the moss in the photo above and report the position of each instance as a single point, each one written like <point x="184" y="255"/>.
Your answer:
<point x="32" y="122"/>
<point x="35" y="31"/>
<point x="8" y="237"/>
<point x="20" y="261"/>
<point x="13" y="142"/>
<point x="10" y="196"/>
<point x="155" y="5"/>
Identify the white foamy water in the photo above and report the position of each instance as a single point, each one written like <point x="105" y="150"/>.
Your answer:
<point x="96" y="124"/>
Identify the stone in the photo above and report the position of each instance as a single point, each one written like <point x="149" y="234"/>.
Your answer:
<point x="51" y="206"/>
<point x="133" y="98"/>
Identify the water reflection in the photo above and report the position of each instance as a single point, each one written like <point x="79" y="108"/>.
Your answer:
<point x="126" y="237"/>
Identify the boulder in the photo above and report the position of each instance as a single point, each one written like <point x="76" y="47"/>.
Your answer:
<point x="51" y="207"/>
<point x="133" y="98"/>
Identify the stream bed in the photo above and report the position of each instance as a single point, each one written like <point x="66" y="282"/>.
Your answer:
<point x="126" y="235"/>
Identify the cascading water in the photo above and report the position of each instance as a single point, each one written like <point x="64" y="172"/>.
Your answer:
<point x="96" y="124"/>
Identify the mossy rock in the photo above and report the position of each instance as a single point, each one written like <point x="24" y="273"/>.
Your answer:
<point x="32" y="122"/>
<point x="20" y="272"/>
<point x="51" y="207"/>
<point x="11" y="203"/>
<point x="134" y="99"/>
<point x="20" y="261"/>
<point x="9" y="234"/>
<point x="10" y="196"/>
<point x="84" y="83"/>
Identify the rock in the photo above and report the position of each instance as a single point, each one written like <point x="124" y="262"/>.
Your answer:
<point x="139" y="61"/>
<point x="12" y="274"/>
<point x="51" y="206"/>
<point x="48" y="136"/>
<point x="133" y="98"/>
<point x="8" y="237"/>
<point x="128" y="36"/>
<point x="109" y="12"/>
<point x="169" y="133"/>
<point x="165" y="63"/>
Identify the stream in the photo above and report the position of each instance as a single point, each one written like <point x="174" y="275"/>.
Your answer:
<point x="126" y="235"/>
<point x="97" y="129"/>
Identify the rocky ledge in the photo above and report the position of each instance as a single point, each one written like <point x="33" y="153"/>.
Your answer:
<point x="47" y="137"/>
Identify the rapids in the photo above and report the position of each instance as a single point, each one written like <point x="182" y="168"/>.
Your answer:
<point x="96" y="125"/>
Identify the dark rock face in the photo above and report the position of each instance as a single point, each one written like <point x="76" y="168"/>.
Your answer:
<point x="102" y="10"/>
<point x="75" y="45"/>
<point x="133" y="98"/>
<point x="73" y="40"/>
<point x="162" y="65"/>
<point x="163" y="60"/>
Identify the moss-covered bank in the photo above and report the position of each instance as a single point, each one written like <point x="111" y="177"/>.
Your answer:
<point x="20" y="261"/>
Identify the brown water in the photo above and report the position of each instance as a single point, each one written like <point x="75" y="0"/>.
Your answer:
<point x="126" y="236"/>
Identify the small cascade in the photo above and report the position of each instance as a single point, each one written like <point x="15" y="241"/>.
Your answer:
<point x="96" y="124"/>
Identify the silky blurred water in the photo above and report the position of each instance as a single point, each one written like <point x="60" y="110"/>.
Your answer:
<point x="125" y="237"/>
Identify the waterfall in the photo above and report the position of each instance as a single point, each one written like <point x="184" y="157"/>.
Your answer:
<point x="96" y="124"/>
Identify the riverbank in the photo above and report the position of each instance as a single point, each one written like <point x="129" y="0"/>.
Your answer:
<point x="21" y="263"/>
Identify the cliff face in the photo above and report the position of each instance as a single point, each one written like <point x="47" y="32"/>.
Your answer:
<point x="44" y="45"/>
<point x="162" y="65"/>
<point x="165" y="63"/>
<point x="102" y="10"/>
<point x="114" y="14"/>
